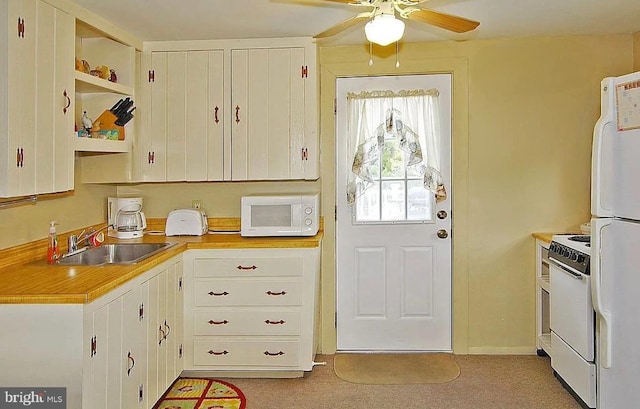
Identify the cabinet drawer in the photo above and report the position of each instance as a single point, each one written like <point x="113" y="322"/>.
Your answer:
<point x="247" y="267"/>
<point x="217" y="321"/>
<point x="224" y="352"/>
<point x="220" y="293"/>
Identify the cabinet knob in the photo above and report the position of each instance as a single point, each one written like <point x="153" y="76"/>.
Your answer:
<point x="442" y="214"/>
<point x="442" y="233"/>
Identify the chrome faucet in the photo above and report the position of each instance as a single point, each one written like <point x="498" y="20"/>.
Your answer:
<point x="74" y="240"/>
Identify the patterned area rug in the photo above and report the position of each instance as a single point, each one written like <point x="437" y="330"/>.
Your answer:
<point x="202" y="393"/>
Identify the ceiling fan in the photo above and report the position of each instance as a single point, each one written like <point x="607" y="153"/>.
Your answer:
<point x="384" y="28"/>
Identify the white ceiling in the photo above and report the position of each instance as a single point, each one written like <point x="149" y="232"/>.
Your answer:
<point x="230" y="19"/>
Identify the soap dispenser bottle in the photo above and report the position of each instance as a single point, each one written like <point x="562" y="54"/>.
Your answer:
<point x="53" y="251"/>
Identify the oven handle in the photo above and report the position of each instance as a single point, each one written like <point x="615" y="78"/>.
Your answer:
<point x="568" y="270"/>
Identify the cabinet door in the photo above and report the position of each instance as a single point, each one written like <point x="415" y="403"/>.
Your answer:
<point x="153" y="143"/>
<point x="54" y="155"/>
<point x="174" y="300"/>
<point x="97" y="363"/>
<point x="154" y="338"/>
<point x="268" y="124"/>
<point x="17" y="113"/>
<point x="132" y="352"/>
<point x="186" y="117"/>
<point x="204" y="125"/>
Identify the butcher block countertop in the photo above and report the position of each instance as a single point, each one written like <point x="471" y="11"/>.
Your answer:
<point x="36" y="282"/>
<point x="546" y="237"/>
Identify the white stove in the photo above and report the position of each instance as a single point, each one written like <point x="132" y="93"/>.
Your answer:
<point x="572" y="316"/>
<point x="572" y="250"/>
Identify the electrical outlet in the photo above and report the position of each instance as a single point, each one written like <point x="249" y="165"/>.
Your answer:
<point x="196" y="204"/>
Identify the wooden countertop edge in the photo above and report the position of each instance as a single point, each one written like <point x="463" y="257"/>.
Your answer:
<point x="547" y="237"/>
<point x="130" y="272"/>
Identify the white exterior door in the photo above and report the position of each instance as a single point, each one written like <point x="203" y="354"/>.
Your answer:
<point x="394" y="276"/>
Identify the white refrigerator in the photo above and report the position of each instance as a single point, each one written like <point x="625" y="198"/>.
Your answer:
<point x="615" y="242"/>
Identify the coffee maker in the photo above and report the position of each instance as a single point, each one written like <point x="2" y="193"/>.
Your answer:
<point x="125" y="217"/>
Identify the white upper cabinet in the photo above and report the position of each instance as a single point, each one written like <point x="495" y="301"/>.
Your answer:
<point x="36" y="113"/>
<point x="184" y="94"/>
<point x="271" y="132"/>
<point x="229" y="110"/>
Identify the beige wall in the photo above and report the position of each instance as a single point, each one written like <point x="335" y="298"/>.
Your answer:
<point x="221" y="199"/>
<point x="86" y="206"/>
<point x="636" y="51"/>
<point x="524" y="111"/>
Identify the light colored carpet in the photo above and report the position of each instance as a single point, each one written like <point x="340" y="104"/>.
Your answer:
<point x="485" y="382"/>
<point x="396" y="369"/>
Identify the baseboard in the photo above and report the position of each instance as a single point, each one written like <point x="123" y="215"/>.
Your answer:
<point x="502" y="350"/>
<point x="242" y="374"/>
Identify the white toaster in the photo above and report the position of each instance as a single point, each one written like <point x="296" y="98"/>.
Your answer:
<point x="186" y="222"/>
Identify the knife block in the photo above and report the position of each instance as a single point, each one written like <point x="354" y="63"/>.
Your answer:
<point x="107" y="121"/>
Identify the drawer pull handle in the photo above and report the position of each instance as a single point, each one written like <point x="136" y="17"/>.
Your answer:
<point x="267" y="353"/>
<point x="278" y="293"/>
<point x="246" y="268"/>
<point x="132" y="363"/>
<point x="212" y="352"/>
<point x="212" y="322"/>
<point x="275" y="322"/>
<point x="163" y="335"/>
<point x="218" y="294"/>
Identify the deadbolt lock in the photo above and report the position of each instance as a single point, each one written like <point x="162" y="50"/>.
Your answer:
<point x="442" y="233"/>
<point x="442" y="214"/>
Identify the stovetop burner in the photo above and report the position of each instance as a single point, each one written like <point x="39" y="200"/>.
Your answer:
<point x="581" y="239"/>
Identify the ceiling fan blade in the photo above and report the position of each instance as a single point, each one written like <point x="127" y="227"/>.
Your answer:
<point x="442" y="20"/>
<point x="342" y="26"/>
<point x="342" y="1"/>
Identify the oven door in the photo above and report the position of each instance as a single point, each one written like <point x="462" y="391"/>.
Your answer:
<point x="571" y="309"/>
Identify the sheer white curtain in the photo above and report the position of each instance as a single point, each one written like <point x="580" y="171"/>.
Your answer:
<point x="412" y="117"/>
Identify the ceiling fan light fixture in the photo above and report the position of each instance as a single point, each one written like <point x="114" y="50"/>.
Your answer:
<point x="384" y="29"/>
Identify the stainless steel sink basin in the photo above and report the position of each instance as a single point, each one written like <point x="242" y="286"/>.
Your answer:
<point x="120" y="253"/>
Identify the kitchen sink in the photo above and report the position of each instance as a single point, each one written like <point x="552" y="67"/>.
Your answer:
<point x="119" y="253"/>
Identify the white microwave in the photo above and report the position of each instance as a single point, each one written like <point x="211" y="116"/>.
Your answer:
<point x="279" y="215"/>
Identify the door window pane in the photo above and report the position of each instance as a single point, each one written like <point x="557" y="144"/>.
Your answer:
<point x="393" y="200"/>
<point x="368" y="205"/>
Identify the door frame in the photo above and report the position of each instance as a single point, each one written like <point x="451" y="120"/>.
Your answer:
<point x="356" y="65"/>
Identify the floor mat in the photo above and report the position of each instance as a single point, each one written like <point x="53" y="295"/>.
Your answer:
<point x="200" y="393"/>
<point x="397" y="368"/>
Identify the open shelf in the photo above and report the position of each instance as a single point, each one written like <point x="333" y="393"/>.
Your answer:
<point x="101" y="145"/>
<point x="89" y="84"/>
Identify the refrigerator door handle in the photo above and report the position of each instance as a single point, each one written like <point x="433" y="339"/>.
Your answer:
<point x="606" y="119"/>
<point x="598" y="226"/>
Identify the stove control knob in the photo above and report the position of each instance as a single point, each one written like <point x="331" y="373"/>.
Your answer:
<point x="580" y="258"/>
<point x="574" y="256"/>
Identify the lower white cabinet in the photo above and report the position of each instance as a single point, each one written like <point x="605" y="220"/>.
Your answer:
<point x="163" y="296"/>
<point x="251" y="310"/>
<point x="120" y="351"/>
<point x="133" y="340"/>
<point x="113" y="370"/>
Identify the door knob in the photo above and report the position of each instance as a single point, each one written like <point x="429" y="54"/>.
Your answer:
<point x="442" y="214"/>
<point x="442" y="233"/>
